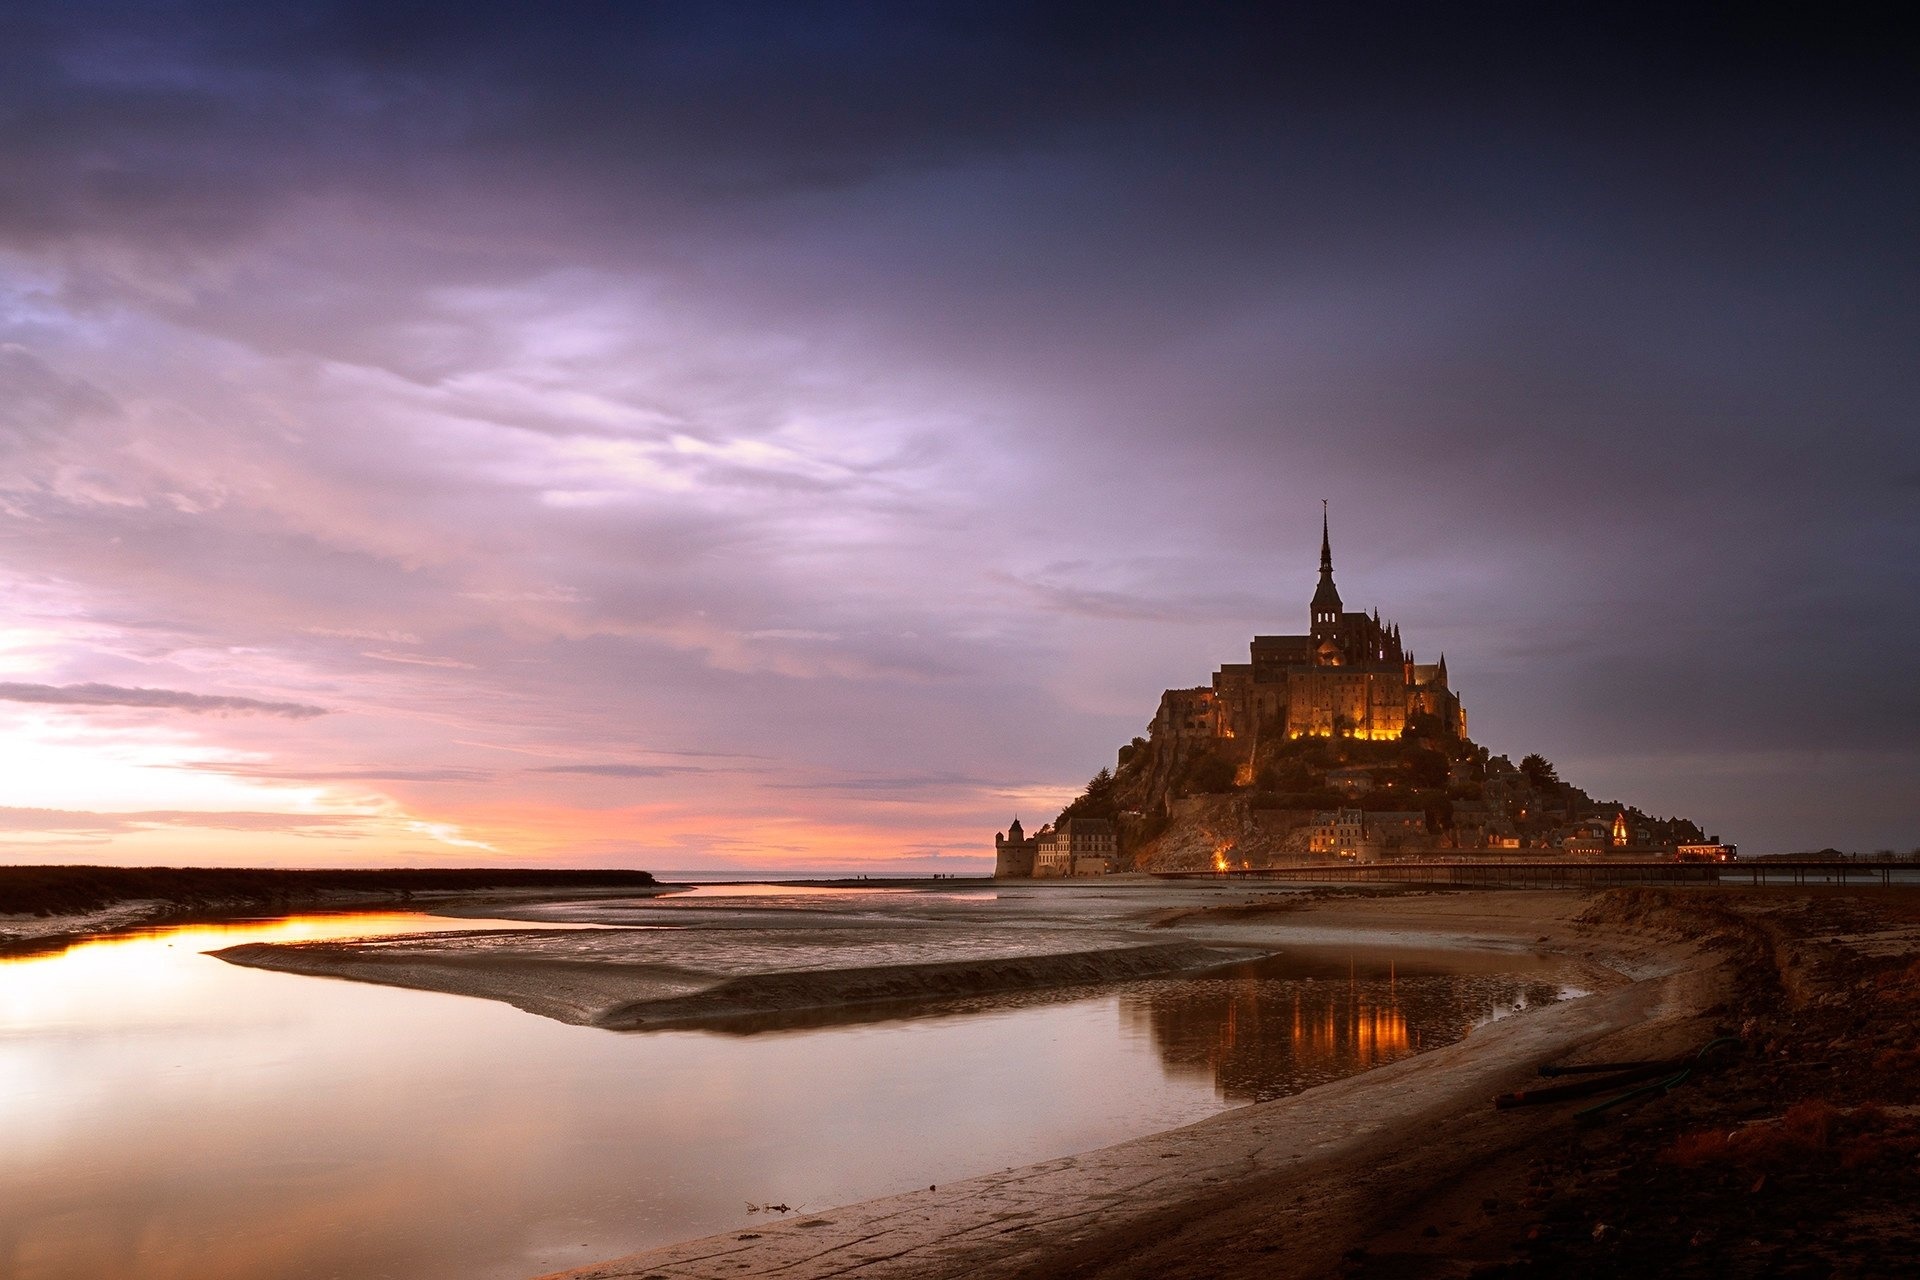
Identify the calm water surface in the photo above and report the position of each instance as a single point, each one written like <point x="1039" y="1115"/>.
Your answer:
<point x="167" y="1115"/>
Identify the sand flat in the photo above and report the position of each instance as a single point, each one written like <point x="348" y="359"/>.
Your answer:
<point x="719" y="963"/>
<point x="1274" y="1189"/>
<point x="1331" y="1156"/>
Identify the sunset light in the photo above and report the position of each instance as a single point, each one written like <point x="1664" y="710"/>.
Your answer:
<point x="957" y="641"/>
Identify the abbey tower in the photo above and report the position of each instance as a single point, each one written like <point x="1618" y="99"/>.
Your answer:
<point x="1348" y="676"/>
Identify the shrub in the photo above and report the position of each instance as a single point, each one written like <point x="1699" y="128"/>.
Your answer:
<point x="1812" y="1132"/>
<point x="1208" y="775"/>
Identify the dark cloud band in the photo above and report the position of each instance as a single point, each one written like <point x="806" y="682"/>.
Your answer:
<point x="107" y="695"/>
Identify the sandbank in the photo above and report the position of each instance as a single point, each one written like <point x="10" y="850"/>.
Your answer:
<point x="666" y="963"/>
<point x="1283" y="1188"/>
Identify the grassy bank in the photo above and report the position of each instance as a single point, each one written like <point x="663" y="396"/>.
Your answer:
<point x="76" y="890"/>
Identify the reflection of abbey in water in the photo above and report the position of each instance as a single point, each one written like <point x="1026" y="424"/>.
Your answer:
<point x="1280" y="1025"/>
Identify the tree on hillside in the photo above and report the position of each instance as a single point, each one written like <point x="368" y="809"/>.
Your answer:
<point x="1097" y="801"/>
<point x="1288" y="774"/>
<point x="1426" y="767"/>
<point x="1540" y="772"/>
<point x="1207" y="775"/>
<point x="1424" y="726"/>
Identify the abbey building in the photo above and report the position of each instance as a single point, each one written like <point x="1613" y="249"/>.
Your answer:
<point x="1348" y="676"/>
<point x="1332" y="744"/>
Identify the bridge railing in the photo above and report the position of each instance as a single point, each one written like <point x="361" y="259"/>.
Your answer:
<point x="1547" y="873"/>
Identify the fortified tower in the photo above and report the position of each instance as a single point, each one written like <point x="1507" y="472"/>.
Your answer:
<point x="1014" y="852"/>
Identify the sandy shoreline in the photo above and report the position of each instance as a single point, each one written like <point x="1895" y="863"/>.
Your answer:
<point x="1335" y="1157"/>
<point x="1797" y="1154"/>
<point x="1279" y="1188"/>
<point x="24" y="932"/>
<point x="679" y="962"/>
<point x="716" y="964"/>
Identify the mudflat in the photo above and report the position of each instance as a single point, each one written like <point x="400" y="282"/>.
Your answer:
<point x="1404" y="1171"/>
<point x="1317" y="1153"/>
<point x="792" y="957"/>
<point x="1796" y="1156"/>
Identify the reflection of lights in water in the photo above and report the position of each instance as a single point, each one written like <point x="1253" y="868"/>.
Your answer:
<point x="167" y="1115"/>
<point x="1276" y="1027"/>
<point x="149" y="974"/>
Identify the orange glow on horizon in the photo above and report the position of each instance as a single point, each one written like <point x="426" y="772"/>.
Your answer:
<point x="135" y="795"/>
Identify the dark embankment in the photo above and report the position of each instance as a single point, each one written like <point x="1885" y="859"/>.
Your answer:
<point x="1801" y="1157"/>
<point x="77" y="901"/>
<point x="51" y="891"/>
<point x="755" y="997"/>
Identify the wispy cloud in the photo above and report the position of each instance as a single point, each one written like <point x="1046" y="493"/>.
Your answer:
<point x="622" y="770"/>
<point x="418" y="660"/>
<point x="928" y="782"/>
<point x="275" y="773"/>
<point x="109" y="695"/>
<point x="89" y="822"/>
<point x="354" y="633"/>
<point x="908" y="408"/>
<point x="1057" y="590"/>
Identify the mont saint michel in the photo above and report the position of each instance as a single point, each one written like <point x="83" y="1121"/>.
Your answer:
<point x="1332" y="744"/>
<point x="832" y="640"/>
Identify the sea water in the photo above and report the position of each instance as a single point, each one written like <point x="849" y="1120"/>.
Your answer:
<point x="166" y="1115"/>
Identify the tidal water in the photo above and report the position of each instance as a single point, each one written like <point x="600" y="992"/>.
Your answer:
<point x="166" y="1115"/>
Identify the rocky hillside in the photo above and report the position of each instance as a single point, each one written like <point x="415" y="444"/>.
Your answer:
<point x="1190" y="805"/>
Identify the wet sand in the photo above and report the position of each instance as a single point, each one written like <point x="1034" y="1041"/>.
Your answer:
<point x="1284" y="1188"/>
<point x="597" y="980"/>
<point x="691" y="960"/>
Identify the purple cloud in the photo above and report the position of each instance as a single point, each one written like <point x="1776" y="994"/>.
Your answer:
<point x="622" y="770"/>
<point x="267" y="773"/>
<point x="909" y="401"/>
<point x="107" y="695"/>
<point x="88" y="822"/>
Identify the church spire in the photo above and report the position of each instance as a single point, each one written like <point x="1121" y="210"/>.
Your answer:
<point x="1326" y="597"/>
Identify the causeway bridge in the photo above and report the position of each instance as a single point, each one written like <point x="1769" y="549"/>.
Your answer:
<point x="1551" y="872"/>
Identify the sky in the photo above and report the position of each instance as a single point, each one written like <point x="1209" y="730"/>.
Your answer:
<point x="806" y="436"/>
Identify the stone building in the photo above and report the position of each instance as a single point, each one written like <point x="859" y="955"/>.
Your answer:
<point x="1350" y="675"/>
<point x="1477" y="826"/>
<point x="1339" y="832"/>
<point x="1091" y="846"/>
<point x="1052" y="856"/>
<point x="1077" y="847"/>
<point x="1014" y="853"/>
<point x="1353" y="782"/>
<point x="1360" y="836"/>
